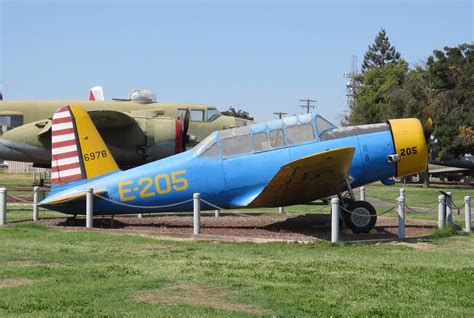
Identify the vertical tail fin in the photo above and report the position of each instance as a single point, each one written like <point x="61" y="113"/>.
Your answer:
<point x="96" y="93"/>
<point x="77" y="149"/>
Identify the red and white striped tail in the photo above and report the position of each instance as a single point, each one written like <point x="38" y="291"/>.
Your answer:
<point x="66" y="162"/>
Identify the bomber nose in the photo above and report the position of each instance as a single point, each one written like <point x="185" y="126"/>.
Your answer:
<point x="410" y="146"/>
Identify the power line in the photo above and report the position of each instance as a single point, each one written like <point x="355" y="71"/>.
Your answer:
<point x="308" y="104"/>
<point x="280" y="114"/>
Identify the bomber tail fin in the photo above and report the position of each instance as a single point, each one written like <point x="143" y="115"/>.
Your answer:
<point x="77" y="149"/>
<point x="96" y="93"/>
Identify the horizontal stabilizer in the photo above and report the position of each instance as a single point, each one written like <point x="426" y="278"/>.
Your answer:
<point x="79" y="196"/>
<point x="307" y="179"/>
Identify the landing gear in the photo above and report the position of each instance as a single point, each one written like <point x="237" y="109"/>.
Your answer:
<point x="360" y="217"/>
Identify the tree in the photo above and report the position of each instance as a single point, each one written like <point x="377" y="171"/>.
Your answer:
<point x="237" y="113"/>
<point x="375" y="94"/>
<point x="450" y="74"/>
<point x="380" y="53"/>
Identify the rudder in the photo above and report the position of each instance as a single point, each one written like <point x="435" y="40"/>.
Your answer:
<point x="77" y="149"/>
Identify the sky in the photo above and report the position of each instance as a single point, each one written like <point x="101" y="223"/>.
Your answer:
<point x="259" y="56"/>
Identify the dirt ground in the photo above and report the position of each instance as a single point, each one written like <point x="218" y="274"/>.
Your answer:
<point x="304" y="228"/>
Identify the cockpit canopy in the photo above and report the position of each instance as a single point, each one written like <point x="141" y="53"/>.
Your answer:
<point x="142" y="96"/>
<point x="265" y="136"/>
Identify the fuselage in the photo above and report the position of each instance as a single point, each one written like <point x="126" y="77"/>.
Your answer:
<point x="24" y="128"/>
<point x="230" y="168"/>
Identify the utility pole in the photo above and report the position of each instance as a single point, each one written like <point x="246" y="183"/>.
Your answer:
<point x="350" y="89"/>
<point x="350" y="85"/>
<point x="308" y="104"/>
<point x="279" y="114"/>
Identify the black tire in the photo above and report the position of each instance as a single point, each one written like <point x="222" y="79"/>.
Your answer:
<point x="362" y="217"/>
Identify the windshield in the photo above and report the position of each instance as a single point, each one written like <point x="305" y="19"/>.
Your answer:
<point x="208" y="143"/>
<point x="212" y="114"/>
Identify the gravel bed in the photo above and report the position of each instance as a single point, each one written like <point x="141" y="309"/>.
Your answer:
<point x="308" y="227"/>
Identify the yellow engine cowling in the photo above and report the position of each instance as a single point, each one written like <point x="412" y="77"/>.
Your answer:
<point x="410" y="146"/>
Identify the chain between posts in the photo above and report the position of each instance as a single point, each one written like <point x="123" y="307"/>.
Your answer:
<point x="222" y="209"/>
<point x="410" y="209"/>
<point x="371" y="216"/>
<point x="455" y="206"/>
<point x="143" y="206"/>
<point x="21" y="199"/>
<point x="243" y="214"/>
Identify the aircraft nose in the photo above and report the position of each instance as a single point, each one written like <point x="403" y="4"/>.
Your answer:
<point x="6" y="153"/>
<point x="410" y="145"/>
<point x="16" y="151"/>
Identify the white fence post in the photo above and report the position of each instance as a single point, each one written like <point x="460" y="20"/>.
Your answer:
<point x="334" y="220"/>
<point x="140" y="215"/>
<point x="402" y="193"/>
<point x="3" y="206"/>
<point x="197" y="213"/>
<point x="401" y="217"/>
<point x="89" y="208"/>
<point x="362" y="193"/>
<point x="467" y="213"/>
<point x="35" y="203"/>
<point x="441" y="210"/>
<point x="281" y="210"/>
<point x="449" y="208"/>
<point x="217" y="213"/>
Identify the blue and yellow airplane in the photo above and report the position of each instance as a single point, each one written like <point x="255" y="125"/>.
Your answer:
<point x="276" y="163"/>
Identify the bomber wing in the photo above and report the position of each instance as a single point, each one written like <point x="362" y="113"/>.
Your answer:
<point x="110" y="119"/>
<point x="100" y="118"/>
<point x="307" y="179"/>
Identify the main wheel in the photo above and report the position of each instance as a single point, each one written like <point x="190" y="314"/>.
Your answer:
<point x="361" y="218"/>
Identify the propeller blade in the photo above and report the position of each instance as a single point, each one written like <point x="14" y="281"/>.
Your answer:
<point x="428" y="128"/>
<point x="186" y="121"/>
<point x="185" y="128"/>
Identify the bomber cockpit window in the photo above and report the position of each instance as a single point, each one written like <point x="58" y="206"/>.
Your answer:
<point x="207" y="148"/>
<point x="8" y="122"/>
<point x="197" y="115"/>
<point x="323" y="125"/>
<point x="260" y="141"/>
<point x="212" y="114"/>
<point x="277" y="138"/>
<point x="300" y="133"/>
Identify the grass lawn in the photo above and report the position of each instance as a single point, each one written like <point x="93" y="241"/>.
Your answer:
<point x="45" y="272"/>
<point x="416" y="195"/>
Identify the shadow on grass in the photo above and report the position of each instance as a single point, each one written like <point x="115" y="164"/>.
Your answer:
<point x="308" y="226"/>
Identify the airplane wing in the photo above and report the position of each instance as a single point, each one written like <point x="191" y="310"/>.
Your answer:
<point x="309" y="178"/>
<point x="110" y="119"/>
<point x="100" y="118"/>
<point x="432" y="168"/>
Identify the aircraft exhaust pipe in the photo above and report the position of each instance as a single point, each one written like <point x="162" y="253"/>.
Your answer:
<point x="393" y="158"/>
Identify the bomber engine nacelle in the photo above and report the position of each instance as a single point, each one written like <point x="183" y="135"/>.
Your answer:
<point x="164" y="137"/>
<point x="411" y="154"/>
